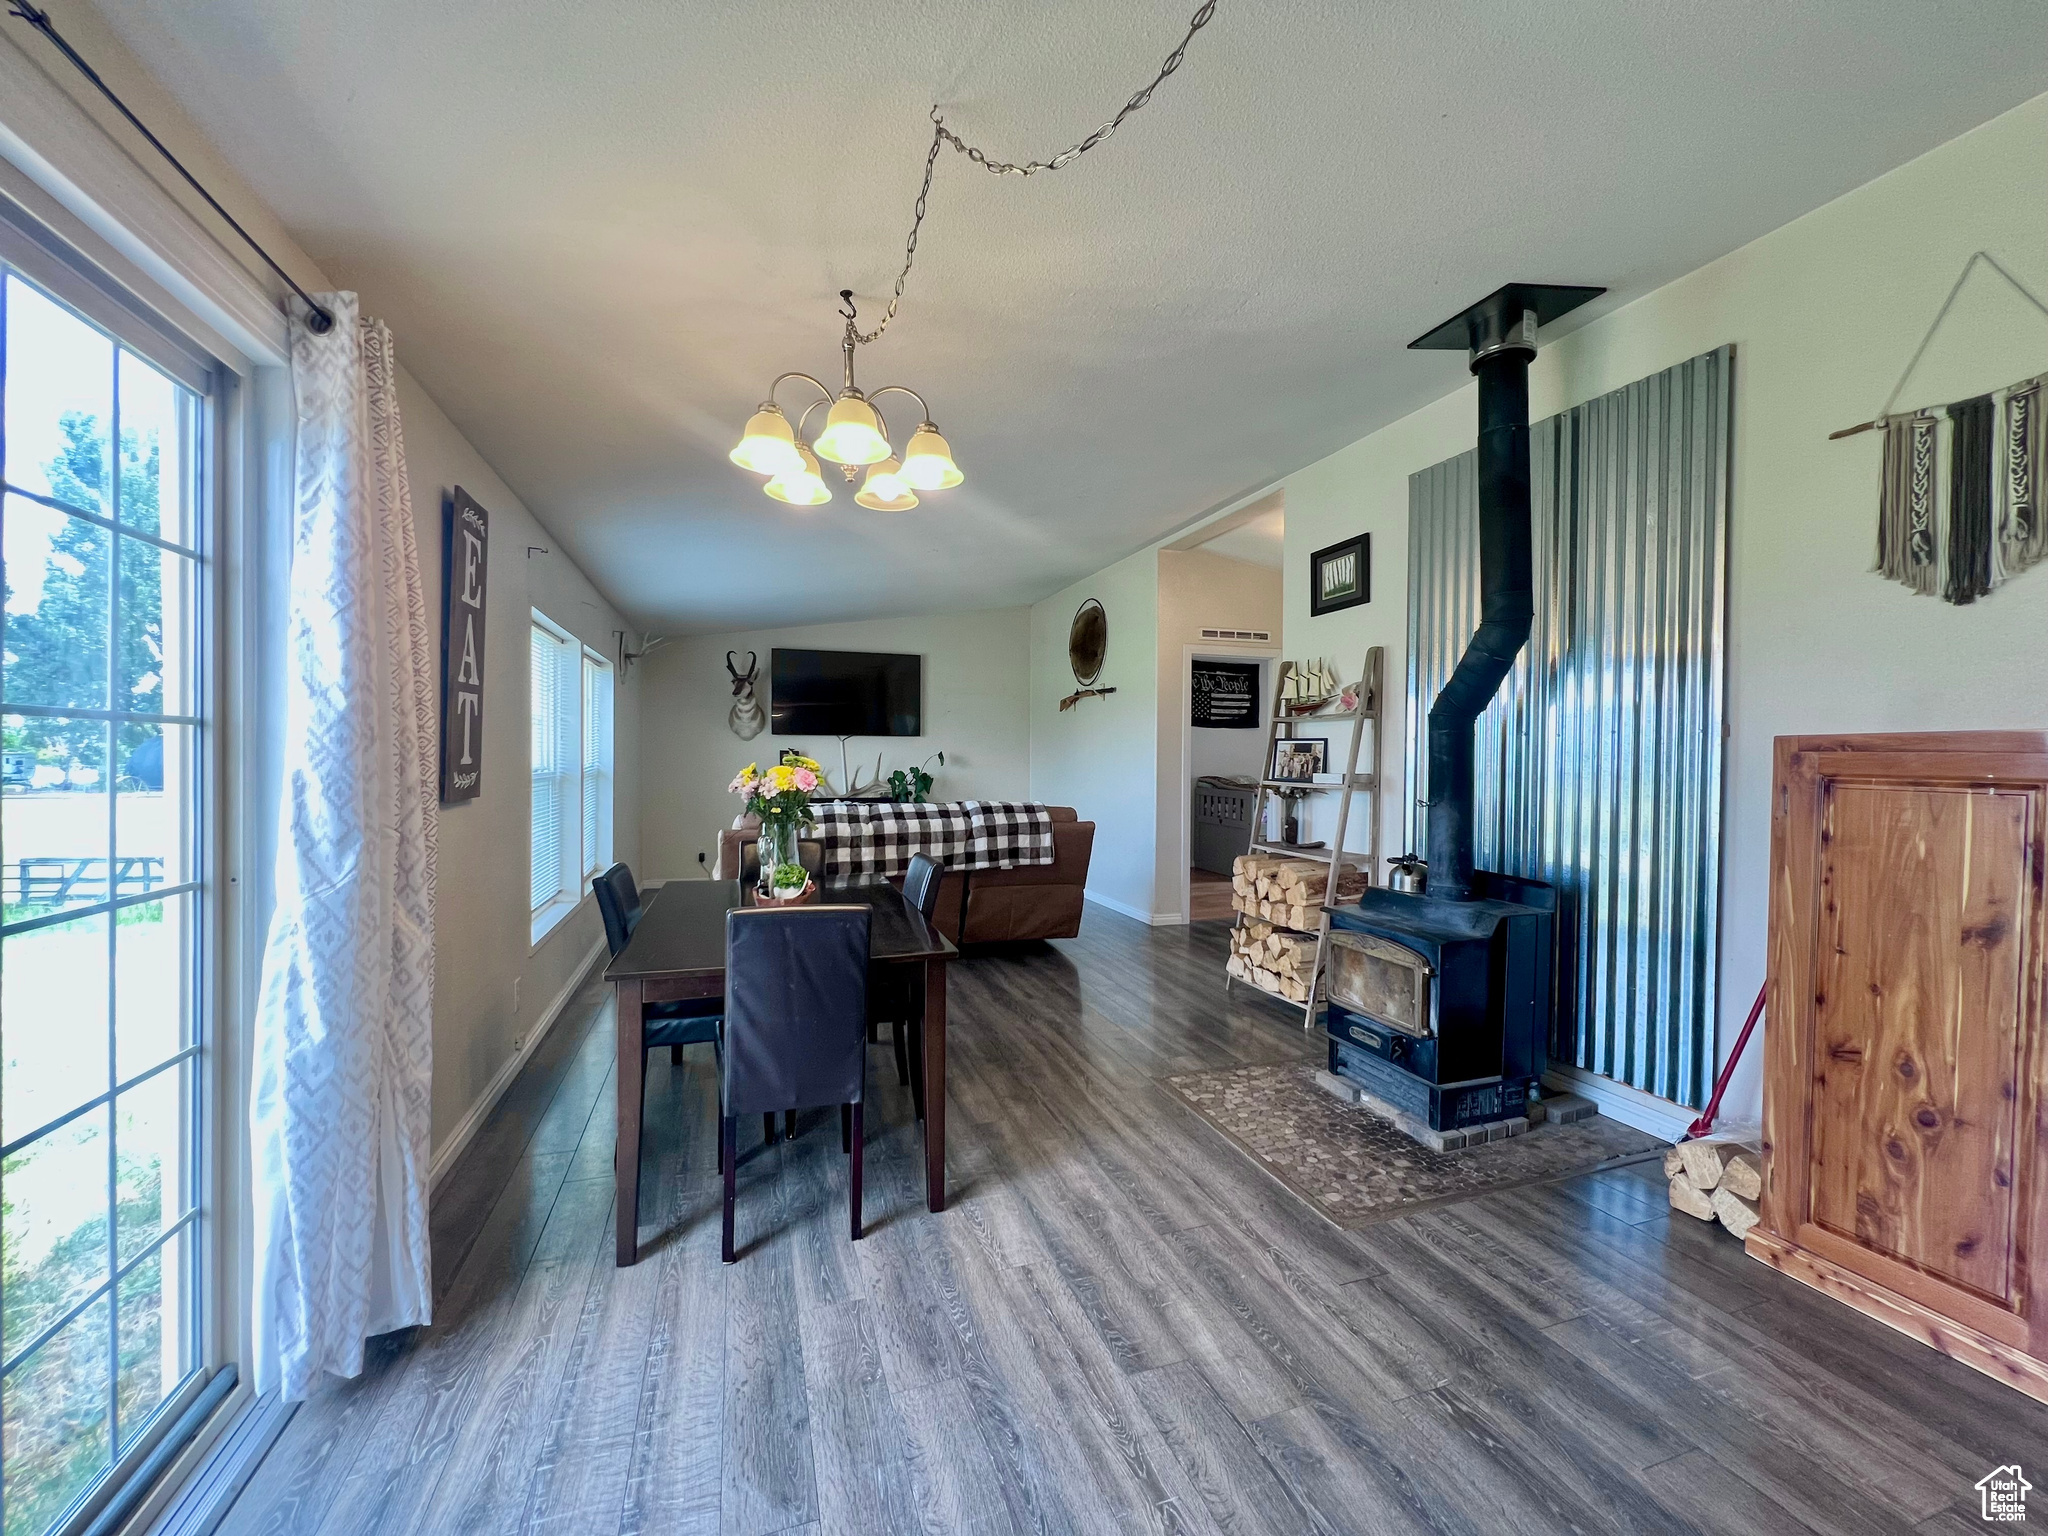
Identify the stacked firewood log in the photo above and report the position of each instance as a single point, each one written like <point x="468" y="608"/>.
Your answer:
<point x="1271" y="958"/>
<point x="1717" y="1178"/>
<point x="1289" y="892"/>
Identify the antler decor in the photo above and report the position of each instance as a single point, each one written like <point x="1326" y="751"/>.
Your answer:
<point x="746" y="716"/>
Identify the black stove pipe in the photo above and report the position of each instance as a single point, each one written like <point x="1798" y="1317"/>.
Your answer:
<point x="1507" y="600"/>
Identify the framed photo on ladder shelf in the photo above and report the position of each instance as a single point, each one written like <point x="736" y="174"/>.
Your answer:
<point x="1300" y="759"/>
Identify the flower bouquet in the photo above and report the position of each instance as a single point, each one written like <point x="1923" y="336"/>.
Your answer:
<point x="781" y="797"/>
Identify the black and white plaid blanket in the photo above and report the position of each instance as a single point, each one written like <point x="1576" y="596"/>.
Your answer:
<point x="870" y="837"/>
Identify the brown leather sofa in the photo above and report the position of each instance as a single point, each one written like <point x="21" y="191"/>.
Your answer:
<point x="988" y="906"/>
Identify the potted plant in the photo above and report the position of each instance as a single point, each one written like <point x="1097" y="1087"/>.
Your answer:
<point x="781" y="797"/>
<point x="909" y="786"/>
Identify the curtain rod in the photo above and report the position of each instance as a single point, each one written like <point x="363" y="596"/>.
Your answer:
<point x="321" y="320"/>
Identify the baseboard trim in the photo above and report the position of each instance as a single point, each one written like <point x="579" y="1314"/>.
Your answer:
<point x="465" y="1132"/>
<point x="1124" y="908"/>
<point x="1631" y="1106"/>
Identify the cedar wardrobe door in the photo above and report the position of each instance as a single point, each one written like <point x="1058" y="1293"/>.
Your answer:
<point x="1904" y="1066"/>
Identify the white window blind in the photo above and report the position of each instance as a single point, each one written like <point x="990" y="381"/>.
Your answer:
<point x="597" y="764"/>
<point x="556" y="726"/>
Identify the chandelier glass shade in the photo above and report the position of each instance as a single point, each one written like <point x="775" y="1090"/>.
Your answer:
<point x="928" y="461"/>
<point x="884" y="489"/>
<point x="802" y="486"/>
<point x="768" y="446"/>
<point x="853" y="433"/>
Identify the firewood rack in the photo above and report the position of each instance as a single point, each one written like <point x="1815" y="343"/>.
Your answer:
<point x="1283" y="726"/>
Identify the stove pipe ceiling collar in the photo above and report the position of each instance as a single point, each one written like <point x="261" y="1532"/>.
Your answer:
<point x="1499" y="336"/>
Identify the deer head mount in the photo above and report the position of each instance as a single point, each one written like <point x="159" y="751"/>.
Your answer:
<point x="746" y="716"/>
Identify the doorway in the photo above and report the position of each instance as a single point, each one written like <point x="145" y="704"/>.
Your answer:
<point x="1223" y="745"/>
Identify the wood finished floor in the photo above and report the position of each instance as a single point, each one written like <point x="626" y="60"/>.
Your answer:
<point x="1208" y="896"/>
<point x="1120" y="1325"/>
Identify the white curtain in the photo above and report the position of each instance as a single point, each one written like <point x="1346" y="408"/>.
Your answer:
<point x="343" y="1052"/>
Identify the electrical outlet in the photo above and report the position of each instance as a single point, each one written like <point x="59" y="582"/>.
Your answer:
<point x="518" y="1044"/>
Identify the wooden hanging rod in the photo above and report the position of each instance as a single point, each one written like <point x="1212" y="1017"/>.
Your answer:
<point x="1940" y="315"/>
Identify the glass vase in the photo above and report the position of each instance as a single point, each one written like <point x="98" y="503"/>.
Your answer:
<point x="782" y="870"/>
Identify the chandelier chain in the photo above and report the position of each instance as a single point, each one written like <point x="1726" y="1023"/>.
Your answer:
<point x="1072" y="152"/>
<point x="941" y="135"/>
<point x="909" y="249"/>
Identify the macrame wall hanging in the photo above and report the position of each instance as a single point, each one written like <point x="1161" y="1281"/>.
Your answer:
<point x="1960" y="504"/>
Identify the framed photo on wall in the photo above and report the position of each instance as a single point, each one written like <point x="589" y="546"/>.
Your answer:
<point x="1225" y="695"/>
<point x="1340" y="575"/>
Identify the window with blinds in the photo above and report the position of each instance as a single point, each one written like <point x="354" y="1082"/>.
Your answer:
<point x="572" y="770"/>
<point x="597" y="764"/>
<point x="557" y="759"/>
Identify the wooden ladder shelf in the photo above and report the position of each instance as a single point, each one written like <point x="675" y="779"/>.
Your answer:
<point x="1282" y="727"/>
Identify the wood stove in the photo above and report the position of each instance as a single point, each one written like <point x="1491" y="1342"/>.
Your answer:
<point x="1442" y="1008"/>
<point x="1439" y="1001"/>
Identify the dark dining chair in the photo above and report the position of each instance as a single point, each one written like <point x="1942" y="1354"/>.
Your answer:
<point x="796" y="1009"/>
<point x="904" y="998"/>
<point x="694" y="1021"/>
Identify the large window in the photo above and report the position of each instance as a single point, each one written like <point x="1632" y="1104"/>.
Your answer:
<point x="572" y="770"/>
<point x="597" y="764"/>
<point x="103" y="959"/>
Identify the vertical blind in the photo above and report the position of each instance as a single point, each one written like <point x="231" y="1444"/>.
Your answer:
<point x="1600" y="761"/>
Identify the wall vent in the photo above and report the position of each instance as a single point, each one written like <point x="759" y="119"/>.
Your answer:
<point x="1237" y="634"/>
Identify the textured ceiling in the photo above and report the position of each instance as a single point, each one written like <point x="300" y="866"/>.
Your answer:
<point x="599" y="229"/>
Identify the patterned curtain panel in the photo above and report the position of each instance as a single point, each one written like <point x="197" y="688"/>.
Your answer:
<point x="1600" y="760"/>
<point x="339" y="1114"/>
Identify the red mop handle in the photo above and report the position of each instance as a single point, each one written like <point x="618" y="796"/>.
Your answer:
<point x="1705" y="1123"/>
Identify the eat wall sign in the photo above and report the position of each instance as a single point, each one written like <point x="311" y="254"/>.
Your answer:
<point x="465" y="578"/>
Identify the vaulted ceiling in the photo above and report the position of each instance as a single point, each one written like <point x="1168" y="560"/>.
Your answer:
<point x="598" y="230"/>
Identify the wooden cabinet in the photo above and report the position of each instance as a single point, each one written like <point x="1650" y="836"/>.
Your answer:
<point x="1906" y="1067"/>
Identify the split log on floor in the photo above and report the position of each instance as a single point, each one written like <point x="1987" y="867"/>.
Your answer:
<point x="1674" y="1163"/>
<point x="1737" y="1214"/>
<point x="1685" y="1197"/>
<point x="1744" y="1176"/>
<point x="1275" y="982"/>
<point x="1706" y="1158"/>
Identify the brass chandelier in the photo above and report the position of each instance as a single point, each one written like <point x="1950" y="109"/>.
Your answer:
<point x="855" y="435"/>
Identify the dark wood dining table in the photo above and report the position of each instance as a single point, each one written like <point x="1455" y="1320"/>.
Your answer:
<point x="678" y="952"/>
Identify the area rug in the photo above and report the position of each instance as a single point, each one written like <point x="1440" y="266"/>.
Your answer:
<point x="1357" y="1169"/>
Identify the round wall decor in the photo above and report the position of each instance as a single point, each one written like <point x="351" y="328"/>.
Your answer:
<point x="1088" y="642"/>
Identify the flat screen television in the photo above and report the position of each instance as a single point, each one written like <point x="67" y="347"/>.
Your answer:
<point x="846" y="693"/>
